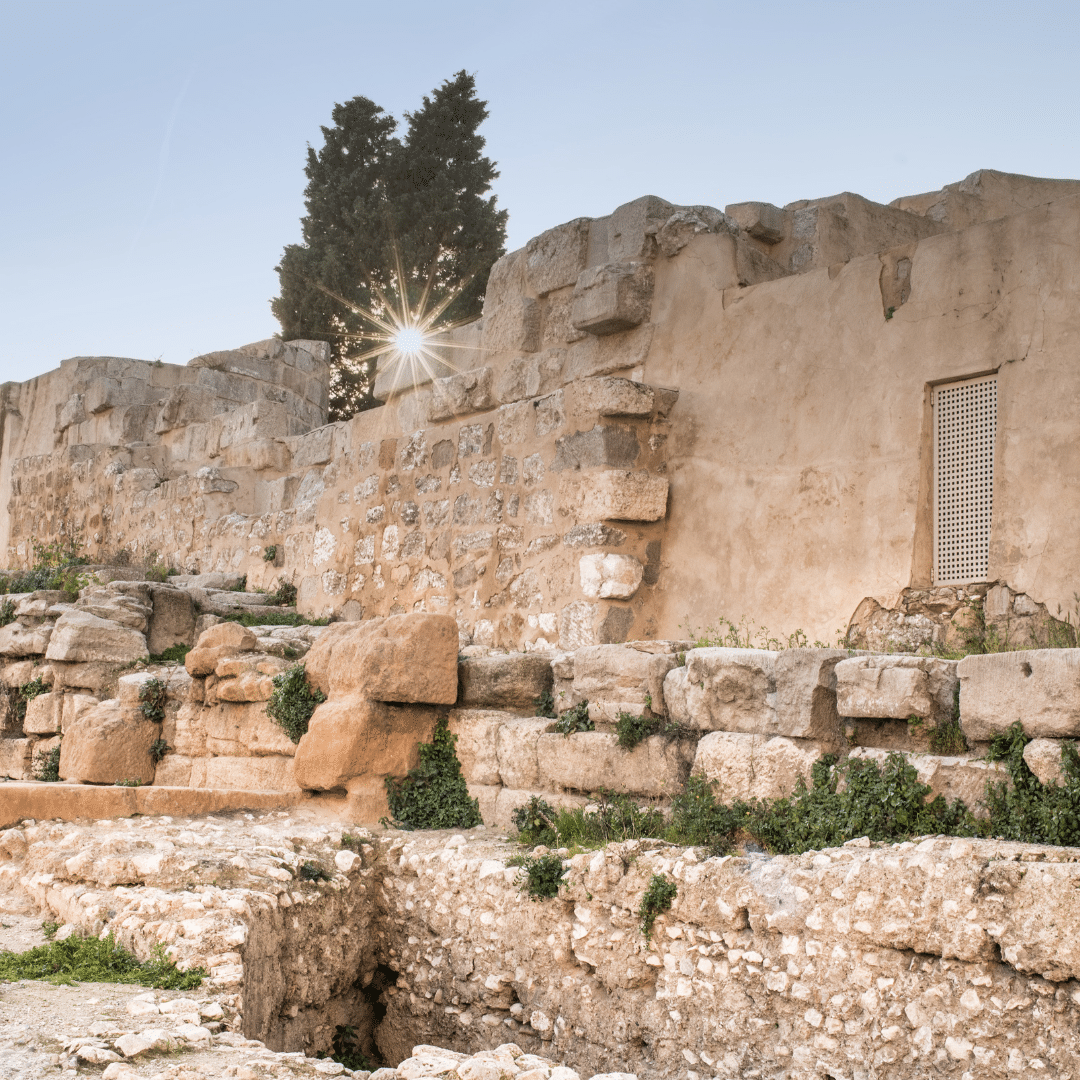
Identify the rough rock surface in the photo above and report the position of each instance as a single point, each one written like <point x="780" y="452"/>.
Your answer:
<point x="753" y="766"/>
<point x="503" y="681"/>
<point x="109" y="742"/>
<point x="896" y="686"/>
<point x="80" y="636"/>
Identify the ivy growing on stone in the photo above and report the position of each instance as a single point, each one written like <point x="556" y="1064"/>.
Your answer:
<point x="293" y="701"/>
<point x="657" y="899"/>
<point x="574" y="720"/>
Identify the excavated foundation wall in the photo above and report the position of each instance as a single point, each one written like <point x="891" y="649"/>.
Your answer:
<point x="944" y="957"/>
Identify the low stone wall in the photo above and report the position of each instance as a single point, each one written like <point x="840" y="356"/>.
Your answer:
<point x="950" y="957"/>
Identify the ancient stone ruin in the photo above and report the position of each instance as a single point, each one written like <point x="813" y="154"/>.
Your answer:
<point x="834" y="417"/>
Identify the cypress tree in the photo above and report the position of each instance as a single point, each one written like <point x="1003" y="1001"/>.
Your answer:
<point x="372" y="200"/>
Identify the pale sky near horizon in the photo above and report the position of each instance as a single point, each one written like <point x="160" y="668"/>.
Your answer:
<point x="153" y="154"/>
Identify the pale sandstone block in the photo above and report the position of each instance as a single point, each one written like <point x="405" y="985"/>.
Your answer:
<point x="172" y="621"/>
<point x="618" y="495"/>
<point x="554" y="259"/>
<point x="952" y="777"/>
<point x="593" y="760"/>
<point x="243" y="730"/>
<point x="173" y="770"/>
<point x="43" y="714"/>
<point x="761" y="220"/>
<point x="319" y="658"/>
<point x="17" y="639"/>
<point x="610" y="396"/>
<point x="353" y="738"/>
<point x="610" y="576"/>
<point x="516" y="751"/>
<point x="616" y="678"/>
<point x="477" y="747"/>
<point x="503" y="680"/>
<point x="79" y="636"/>
<point x="221" y="640"/>
<point x="613" y="297"/>
<point x="73" y="708"/>
<point x="244" y="773"/>
<point x="487" y="798"/>
<point x="16" y="758"/>
<point x="1043" y="758"/>
<point x="577" y="623"/>
<point x="460" y="394"/>
<point x="509" y="799"/>
<point x="108" y="743"/>
<point x="753" y="766"/>
<point x="896" y="686"/>
<point x="1038" y="687"/>
<point x="530" y="376"/>
<point x="250" y="686"/>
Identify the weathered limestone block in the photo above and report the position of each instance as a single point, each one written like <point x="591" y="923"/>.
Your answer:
<point x="99" y="678"/>
<point x="688" y="222"/>
<point x="172" y="621"/>
<point x="760" y="692"/>
<point x="477" y="732"/>
<point x="618" y="495"/>
<point x="952" y="777"/>
<point x="186" y="732"/>
<point x="19" y="672"/>
<point x="896" y="686"/>
<point x="79" y="637"/>
<point x="245" y="678"/>
<point x="761" y="220"/>
<point x="73" y="707"/>
<point x="623" y="678"/>
<point x="43" y="714"/>
<point x="108" y="743"/>
<point x="356" y="738"/>
<point x="18" y="639"/>
<point x="509" y="799"/>
<point x="35" y="605"/>
<point x="318" y="661"/>
<point x="511" y="326"/>
<point x="405" y="658"/>
<point x="16" y="758"/>
<point x="593" y="760"/>
<point x="242" y="730"/>
<point x="753" y="766"/>
<point x="124" y="608"/>
<point x="613" y="297"/>
<point x="516" y="750"/>
<point x="1038" y="687"/>
<point x="529" y="377"/>
<point x="222" y="640"/>
<point x="611" y="396"/>
<point x="177" y="682"/>
<point x="1043" y="758"/>
<point x="270" y="773"/>
<point x="487" y="800"/>
<point x="503" y="680"/>
<point x="461" y="394"/>
<point x="610" y="576"/>
<point x="555" y="258"/>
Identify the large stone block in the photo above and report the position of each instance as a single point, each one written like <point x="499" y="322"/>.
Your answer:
<point x="16" y="758"/>
<point x="18" y="639"/>
<point x="223" y="639"/>
<point x="554" y="259"/>
<point x="1043" y="758"/>
<point x="1038" y="687"/>
<point x="405" y="658"/>
<point x="896" y="686"/>
<point x="243" y="730"/>
<point x="172" y="621"/>
<point x="622" y="678"/>
<point x="760" y="692"/>
<point x="593" y="761"/>
<point x="516" y="750"/>
<point x="761" y="220"/>
<point x="609" y="575"/>
<point x="269" y="773"/>
<point x="43" y="714"/>
<point x="461" y="394"/>
<point x="617" y="296"/>
<point x="503" y="680"/>
<point x="108" y="743"/>
<point x="477" y="747"/>
<point x="320" y="657"/>
<point x="619" y="495"/>
<point x="753" y="766"/>
<point x="611" y="396"/>
<point x="355" y="738"/>
<point x="79" y="636"/>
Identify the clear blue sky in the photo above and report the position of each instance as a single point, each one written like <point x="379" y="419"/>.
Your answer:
<point x="153" y="152"/>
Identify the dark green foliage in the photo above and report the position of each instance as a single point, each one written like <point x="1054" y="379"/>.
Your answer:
<point x="270" y="553"/>
<point x="54" y="568"/>
<point x="7" y="612"/>
<point x="656" y="900"/>
<point x="434" y="794"/>
<point x="47" y="765"/>
<point x="241" y="585"/>
<point x="152" y="695"/>
<point x="91" y="959"/>
<point x="174" y="654"/>
<point x="345" y="1050"/>
<point x="699" y="819"/>
<point x="130" y="781"/>
<point x="632" y="730"/>
<point x="540" y="875"/>
<point x="293" y="701"/>
<point x="615" y="818"/>
<point x="158" y="749"/>
<point x="376" y="204"/>
<point x="312" y="871"/>
<point x="545" y="705"/>
<point x="272" y="618"/>
<point x="49" y="928"/>
<point x="574" y="720"/>
<point x="20" y="696"/>
<point x="284" y="595"/>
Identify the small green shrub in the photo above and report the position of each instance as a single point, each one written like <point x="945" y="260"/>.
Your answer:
<point x="152" y="697"/>
<point x="545" y="705"/>
<point x="633" y="730"/>
<point x="157" y="572"/>
<point x="131" y="781"/>
<point x="7" y="612"/>
<point x="158" y="749"/>
<point x="612" y="818"/>
<point x="540" y="876"/>
<point x="293" y="701"/>
<point x="312" y="871"/>
<point x="947" y="737"/>
<point x="889" y="313"/>
<point x="241" y="585"/>
<point x="49" y="928"/>
<point x="91" y="959"/>
<point x="656" y="900"/>
<point x="270" y="553"/>
<point x="47" y="765"/>
<point x="345" y="1050"/>
<point x="574" y="720"/>
<point x="434" y="794"/>
<point x="174" y="654"/>
<point x="284" y="595"/>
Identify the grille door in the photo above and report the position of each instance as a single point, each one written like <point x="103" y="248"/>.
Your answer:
<point x="965" y="429"/>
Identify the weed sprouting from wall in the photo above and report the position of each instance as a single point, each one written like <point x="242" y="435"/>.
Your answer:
<point x="573" y="720"/>
<point x="293" y="701"/>
<point x="545" y="705"/>
<point x="607" y="819"/>
<point x="540" y="875"/>
<point x="434" y="795"/>
<point x="657" y="899"/>
<point x="152" y="696"/>
<point x="47" y="765"/>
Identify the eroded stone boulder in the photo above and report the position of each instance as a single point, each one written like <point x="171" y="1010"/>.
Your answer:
<point x="107" y="743"/>
<point x="504" y="680"/>
<point x="80" y="636"/>
<point x="748" y="766"/>
<point x="897" y="687"/>
<point x="622" y="678"/>
<point x="1043" y="758"/>
<point x="20" y="639"/>
<point x="172" y="621"/>
<point x="218" y="642"/>
<point x="593" y="761"/>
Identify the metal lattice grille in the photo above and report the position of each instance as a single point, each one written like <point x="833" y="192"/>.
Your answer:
<point x="965" y="427"/>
